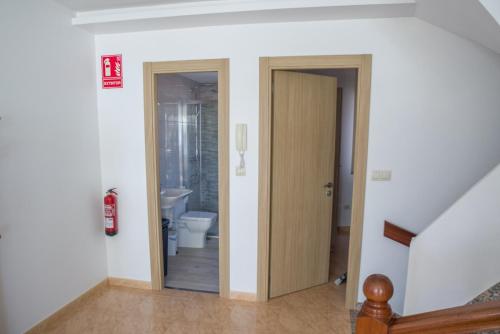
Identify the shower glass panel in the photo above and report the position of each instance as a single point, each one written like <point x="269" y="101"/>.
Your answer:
<point x="182" y="147"/>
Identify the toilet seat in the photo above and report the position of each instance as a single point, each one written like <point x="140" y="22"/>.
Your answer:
<point x="199" y="216"/>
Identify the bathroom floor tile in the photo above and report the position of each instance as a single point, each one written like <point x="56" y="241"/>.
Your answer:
<point x="195" y="268"/>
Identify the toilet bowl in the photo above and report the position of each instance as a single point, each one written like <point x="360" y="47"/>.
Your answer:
<point x="192" y="228"/>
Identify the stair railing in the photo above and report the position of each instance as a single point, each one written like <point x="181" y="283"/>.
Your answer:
<point x="376" y="316"/>
<point x="398" y="234"/>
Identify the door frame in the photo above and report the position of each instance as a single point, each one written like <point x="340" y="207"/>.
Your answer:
<point x="363" y="64"/>
<point x="151" y="69"/>
<point x="336" y="187"/>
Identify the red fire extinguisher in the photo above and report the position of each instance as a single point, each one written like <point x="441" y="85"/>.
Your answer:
<point x="110" y="212"/>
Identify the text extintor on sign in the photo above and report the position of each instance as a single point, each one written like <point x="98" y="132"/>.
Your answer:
<point x="112" y="71"/>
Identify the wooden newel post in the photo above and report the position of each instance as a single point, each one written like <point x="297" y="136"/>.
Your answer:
<point x="376" y="313"/>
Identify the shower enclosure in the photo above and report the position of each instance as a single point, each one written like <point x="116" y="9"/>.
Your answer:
<point x="181" y="125"/>
<point x="188" y="151"/>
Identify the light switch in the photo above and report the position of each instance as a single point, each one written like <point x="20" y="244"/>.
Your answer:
<point x="381" y="175"/>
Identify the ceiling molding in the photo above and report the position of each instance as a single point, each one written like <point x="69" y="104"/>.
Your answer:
<point x="216" y="12"/>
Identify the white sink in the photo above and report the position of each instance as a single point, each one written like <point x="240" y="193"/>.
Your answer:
<point x="172" y="195"/>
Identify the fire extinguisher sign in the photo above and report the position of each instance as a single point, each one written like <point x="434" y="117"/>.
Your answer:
<point x="112" y="71"/>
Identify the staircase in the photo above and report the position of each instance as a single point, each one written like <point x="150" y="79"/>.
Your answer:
<point x="451" y="262"/>
<point x="376" y="316"/>
<point x="492" y="294"/>
<point x="456" y="257"/>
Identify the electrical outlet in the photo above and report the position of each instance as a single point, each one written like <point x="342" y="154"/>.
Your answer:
<point x="381" y="175"/>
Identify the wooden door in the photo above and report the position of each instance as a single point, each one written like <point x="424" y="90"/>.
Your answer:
<point x="303" y="153"/>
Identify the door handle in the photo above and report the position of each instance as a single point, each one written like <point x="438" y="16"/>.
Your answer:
<point x="328" y="187"/>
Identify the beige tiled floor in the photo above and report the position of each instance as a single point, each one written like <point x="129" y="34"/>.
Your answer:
<point x="124" y="310"/>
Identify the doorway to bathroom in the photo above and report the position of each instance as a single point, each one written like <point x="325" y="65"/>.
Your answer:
<point x="189" y="179"/>
<point x="186" y="119"/>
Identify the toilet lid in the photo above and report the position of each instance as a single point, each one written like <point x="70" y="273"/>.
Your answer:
<point x="199" y="215"/>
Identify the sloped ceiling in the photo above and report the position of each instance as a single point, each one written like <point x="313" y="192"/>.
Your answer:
<point x="476" y="20"/>
<point x="472" y="19"/>
<point x="492" y="6"/>
<point x="174" y="14"/>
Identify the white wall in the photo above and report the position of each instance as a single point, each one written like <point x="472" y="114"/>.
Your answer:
<point x="426" y="126"/>
<point x="52" y="247"/>
<point x="347" y="80"/>
<point x="456" y="258"/>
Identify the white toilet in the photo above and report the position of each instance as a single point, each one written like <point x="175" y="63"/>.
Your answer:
<point x="192" y="228"/>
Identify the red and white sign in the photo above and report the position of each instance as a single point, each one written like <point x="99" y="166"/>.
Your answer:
<point x="112" y="71"/>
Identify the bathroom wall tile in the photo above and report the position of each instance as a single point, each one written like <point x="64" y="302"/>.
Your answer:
<point x="210" y="172"/>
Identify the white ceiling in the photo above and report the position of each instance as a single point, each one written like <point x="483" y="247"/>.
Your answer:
<point x="225" y="12"/>
<point x="476" y="20"/>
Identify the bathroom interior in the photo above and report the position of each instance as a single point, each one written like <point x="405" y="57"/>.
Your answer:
<point x="188" y="160"/>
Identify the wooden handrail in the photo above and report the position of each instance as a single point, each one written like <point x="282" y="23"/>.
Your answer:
<point x="376" y="316"/>
<point x="398" y="234"/>
<point x="462" y="319"/>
